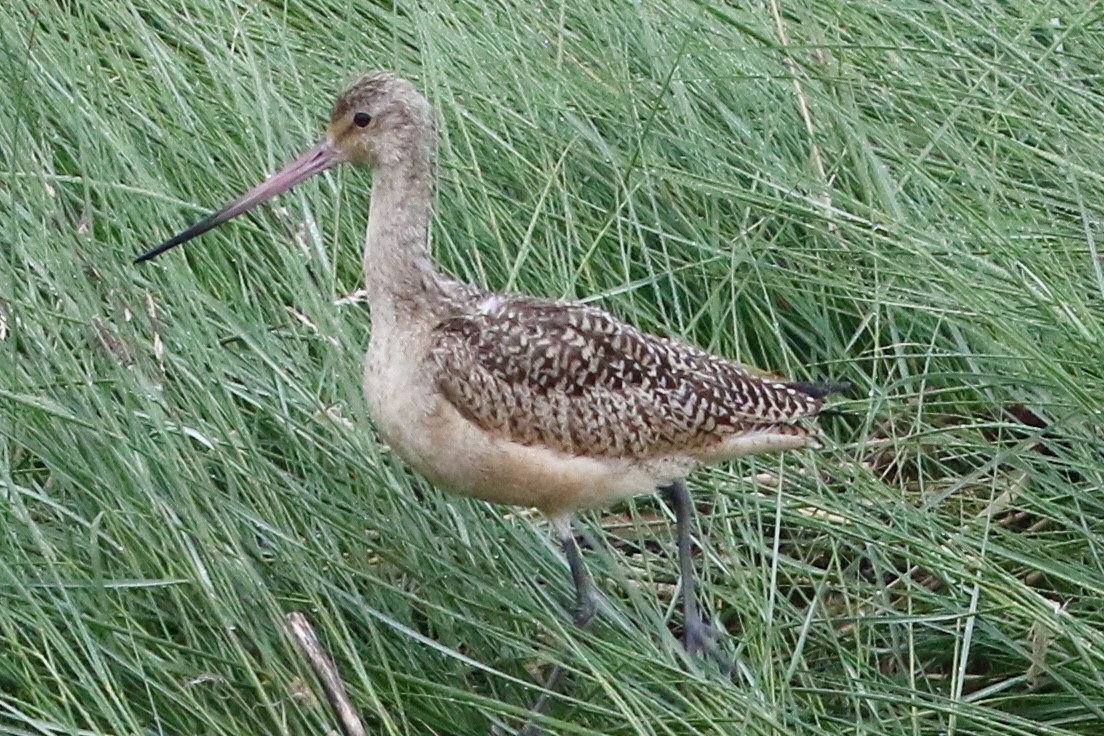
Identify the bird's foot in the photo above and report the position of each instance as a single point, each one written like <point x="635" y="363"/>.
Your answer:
<point x="584" y="610"/>
<point x="704" y="641"/>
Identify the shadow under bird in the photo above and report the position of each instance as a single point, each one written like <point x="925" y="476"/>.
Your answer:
<point x="519" y="400"/>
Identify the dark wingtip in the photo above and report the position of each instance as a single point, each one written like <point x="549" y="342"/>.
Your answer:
<point x="820" y="390"/>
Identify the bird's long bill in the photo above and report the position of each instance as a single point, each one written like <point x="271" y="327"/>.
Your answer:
<point x="318" y="159"/>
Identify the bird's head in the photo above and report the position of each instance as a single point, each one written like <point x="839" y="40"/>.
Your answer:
<point x="381" y="121"/>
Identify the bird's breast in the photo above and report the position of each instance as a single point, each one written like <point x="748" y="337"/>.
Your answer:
<point x="423" y="428"/>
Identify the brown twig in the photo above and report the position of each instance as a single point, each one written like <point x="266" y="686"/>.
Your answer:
<point x="307" y="641"/>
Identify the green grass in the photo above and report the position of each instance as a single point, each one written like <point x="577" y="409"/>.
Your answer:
<point x="186" y="456"/>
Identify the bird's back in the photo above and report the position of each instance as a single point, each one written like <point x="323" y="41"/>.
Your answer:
<point x="573" y="379"/>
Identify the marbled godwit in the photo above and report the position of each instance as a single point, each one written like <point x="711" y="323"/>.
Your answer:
<point x="518" y="400"/>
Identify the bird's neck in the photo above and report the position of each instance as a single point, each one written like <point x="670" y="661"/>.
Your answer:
<point x="399" y="277"/>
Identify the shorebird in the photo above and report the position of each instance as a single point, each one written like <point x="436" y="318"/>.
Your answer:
<point x="519" y="400"/>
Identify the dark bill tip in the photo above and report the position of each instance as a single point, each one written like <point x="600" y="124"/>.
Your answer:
<point x="318" y="159"/>
<point x="208" y="223"/>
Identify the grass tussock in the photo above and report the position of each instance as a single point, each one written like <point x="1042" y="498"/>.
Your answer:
<point x="902" y="196"/>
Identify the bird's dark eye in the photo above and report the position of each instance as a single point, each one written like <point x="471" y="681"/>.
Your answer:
<point x="361" y="119"/>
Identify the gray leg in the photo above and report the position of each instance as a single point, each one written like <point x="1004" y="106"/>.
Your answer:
<point x="585" y="605"/>
<point x="699" y="636"/>
<point x="585" y="608"/>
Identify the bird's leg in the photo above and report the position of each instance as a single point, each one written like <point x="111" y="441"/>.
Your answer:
<point x="585" y="608"/>
<point x="698" y="636"/>
<point x="585" y="603"/>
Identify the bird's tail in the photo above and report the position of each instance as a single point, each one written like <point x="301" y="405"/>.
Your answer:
<point x="821" y="389"/>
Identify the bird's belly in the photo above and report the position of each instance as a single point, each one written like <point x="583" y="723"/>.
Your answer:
<point x="423" y="428"/>
<point x="463" y="458"/>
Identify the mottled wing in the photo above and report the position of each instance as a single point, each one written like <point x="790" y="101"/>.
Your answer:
<point x="573" y="378"/>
